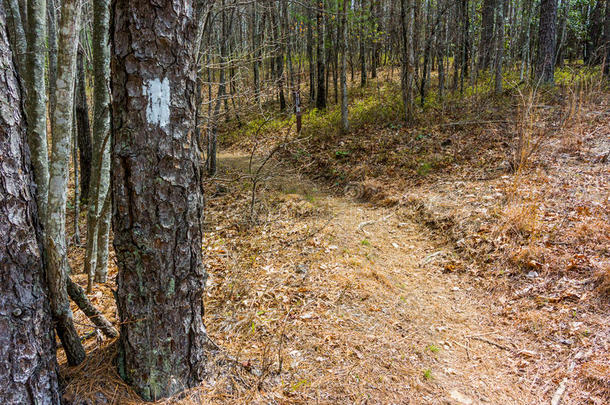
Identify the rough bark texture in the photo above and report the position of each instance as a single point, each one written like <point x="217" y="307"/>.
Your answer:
<point x="55" y="230"/>
<point x="28" y="368"/>
<point x="545" y="65"/>
<point x="157" y="197"/>
<point x="36" y="99"/>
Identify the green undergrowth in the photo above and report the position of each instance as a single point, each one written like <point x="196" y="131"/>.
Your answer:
<point x="471" y="127"/>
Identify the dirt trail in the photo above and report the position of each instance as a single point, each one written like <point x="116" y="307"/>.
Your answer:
<point x="371" y="315"/>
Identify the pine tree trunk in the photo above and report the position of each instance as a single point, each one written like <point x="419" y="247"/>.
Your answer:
<point x="55" y="229"/>
<point x="158" y="199"/>
<point x="27" y="343"/>
<point x="545" y="64"/>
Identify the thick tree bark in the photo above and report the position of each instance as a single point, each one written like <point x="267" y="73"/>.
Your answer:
<point x="157" y="198"/>
<point x="28" y="367"/>
<point x="36" y="99"/>
<point x="83" y="127"/>
<point x="545" y="64"/>
<point x="55" y="237"/>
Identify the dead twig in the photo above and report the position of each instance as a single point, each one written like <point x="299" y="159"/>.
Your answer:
<point x="490" y="342"/>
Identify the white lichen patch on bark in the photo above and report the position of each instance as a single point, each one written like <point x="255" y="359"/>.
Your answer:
<point x="157" y="109"/>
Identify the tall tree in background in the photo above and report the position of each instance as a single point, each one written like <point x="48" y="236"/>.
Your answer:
<point x="158" y="200"/>
<point x="28" y="370"/>
<point x="406" y="57"/>
<point x="607" y="40"/>
<point x="545" y="63"/>
<point x="55" y="229"/>
<point x="499" y="59"/>
<point x="343" y="45"/>
<point x="320" y="57"/>
<point x="486" y="42"/>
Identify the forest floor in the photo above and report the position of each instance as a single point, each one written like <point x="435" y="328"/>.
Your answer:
<point x="400" y="266"/>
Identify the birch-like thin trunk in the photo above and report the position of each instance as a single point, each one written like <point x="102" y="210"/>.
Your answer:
<point x="36" y="99"/>
<point x="16" y="34"/>
<point x="52" y="54"/>
<point x="55" y="237"/>
<point x="96" y="258"/>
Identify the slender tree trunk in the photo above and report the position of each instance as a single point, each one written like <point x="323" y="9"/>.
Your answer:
<point x="83" y="127"/>
<point x="545" y="64"/>
<point x="406" y="66"/>
<point x="55" y="238"/>
<point x="486" y="42"/>
<point x="320" y="57"/>
<point x="256" y="51"/>
<point x="312" y="75"/>
<point x="76" y="165"/>
<point x="29" y="368"/>
<point x="17" y="34"/>
<point x="52" y="54"/>
<point x="158" y="199"/>
<point x="607" y="40"/>
<point x="363" y="34"/>
<point x="343" y="45"/>
<point x="499" y="46"/>
<point x="98" y="223"/>
<point x="36" y="99"/>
